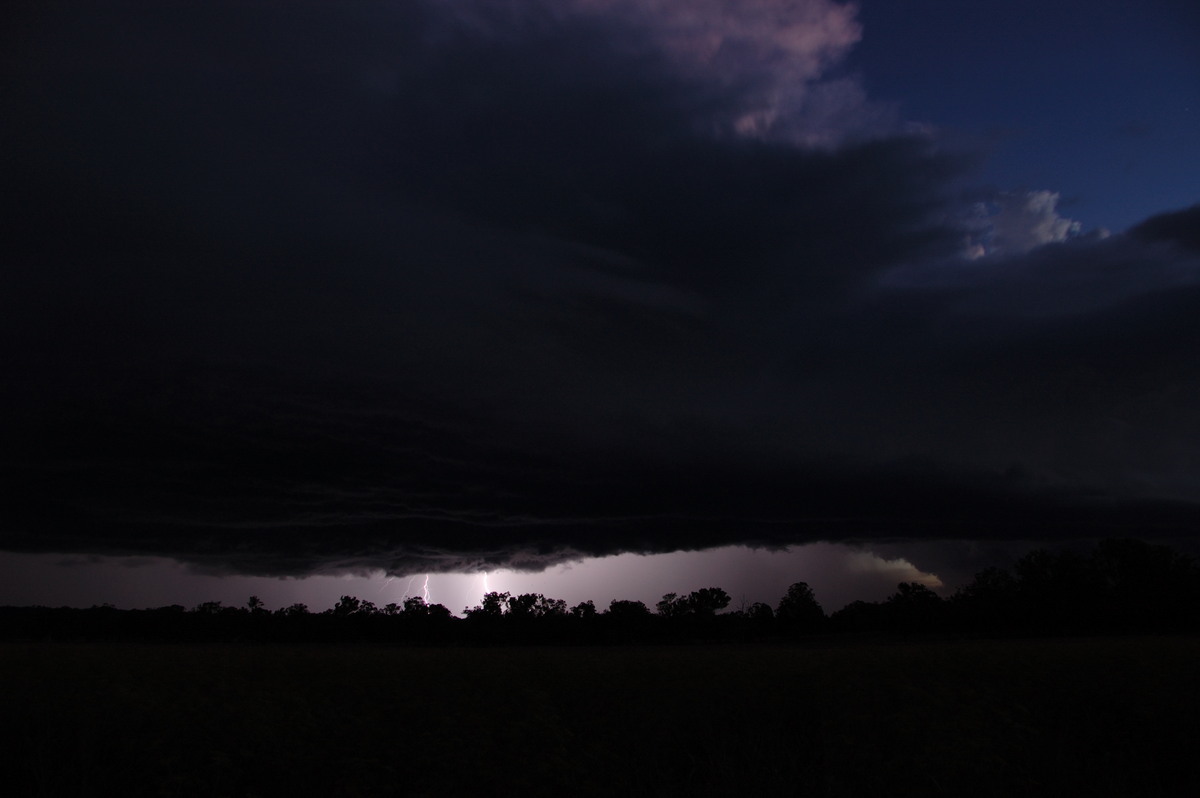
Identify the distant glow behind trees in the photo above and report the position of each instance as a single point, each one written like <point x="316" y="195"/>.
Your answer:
<point x="837" y="573"/>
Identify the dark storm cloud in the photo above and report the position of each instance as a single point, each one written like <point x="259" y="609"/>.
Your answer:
<point x="433" y="286"/>
<point x="1181" y="228"/>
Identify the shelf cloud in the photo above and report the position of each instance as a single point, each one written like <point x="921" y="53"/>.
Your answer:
<point x="431" y="286"/>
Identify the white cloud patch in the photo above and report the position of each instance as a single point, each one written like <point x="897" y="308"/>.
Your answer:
<point x="895" y="571"/>
<point x="1023" y="221"/>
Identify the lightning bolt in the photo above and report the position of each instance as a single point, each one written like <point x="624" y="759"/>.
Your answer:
<point x="425" y="589"/>
<point x="408" y="587"/>
<point x="485" y="584"/>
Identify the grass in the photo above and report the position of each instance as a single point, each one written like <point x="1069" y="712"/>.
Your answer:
<point x="1087" y="716"/>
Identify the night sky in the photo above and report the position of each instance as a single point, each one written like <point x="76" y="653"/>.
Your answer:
<point x="351" y="293"/>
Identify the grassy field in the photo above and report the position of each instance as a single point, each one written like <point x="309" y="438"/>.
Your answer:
<point x="1052" y="717"/>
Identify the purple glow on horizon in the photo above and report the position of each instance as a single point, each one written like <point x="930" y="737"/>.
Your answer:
<point x="837" y="573"/>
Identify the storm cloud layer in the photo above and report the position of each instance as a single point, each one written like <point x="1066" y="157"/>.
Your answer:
<point x="436" y="286"/>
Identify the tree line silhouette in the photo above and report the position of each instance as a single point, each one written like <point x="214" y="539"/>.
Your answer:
<point x="1120" y="586"/>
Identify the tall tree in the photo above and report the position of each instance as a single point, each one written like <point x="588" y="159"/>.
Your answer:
<point x="799" y="609"/>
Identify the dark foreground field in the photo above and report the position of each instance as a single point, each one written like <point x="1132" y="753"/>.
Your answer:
<point x="1078" y="717"/>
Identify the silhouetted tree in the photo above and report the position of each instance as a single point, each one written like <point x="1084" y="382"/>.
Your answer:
<point x="708" y="601"/>
<point x="799" y="610"/>
<point x="704" y="603"/>
<point x="988" y="603"/>
<point x="1056" y="591"/>
<point x="550" y="608"/>
<point x="672" y="606"/>
<point x="584" y="609"/>
<point x="535" y="605"/>
<point x="493" y="606"/>
<point x="438" y="612"/>
<point x="860" y="616"/>
<point x="521" y="606"/>
<point x="1145" y="585"/>
<point x="620" y="608"/>
<point x="760" y="613"/>
<point x="625" y="620"/>
<point x="415" y="606"/>
<point x="352" y="606"/>
<point x="423" y="621"/>
<point x="915" y="608"/>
